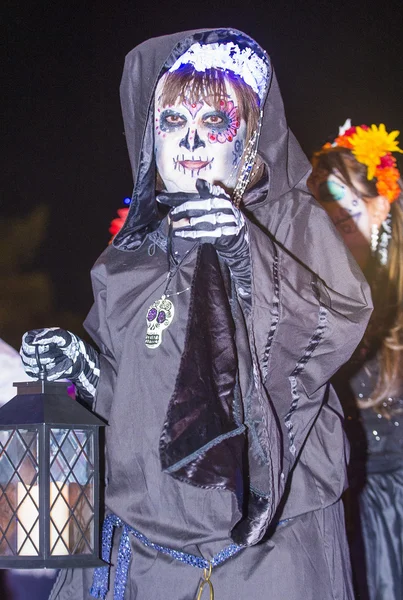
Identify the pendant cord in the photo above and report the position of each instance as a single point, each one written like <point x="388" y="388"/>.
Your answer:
<point x="172" y="262"/>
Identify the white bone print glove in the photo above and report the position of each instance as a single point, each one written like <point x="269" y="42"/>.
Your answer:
<point x="212" y="219"/>
<point x="63" y="355"/>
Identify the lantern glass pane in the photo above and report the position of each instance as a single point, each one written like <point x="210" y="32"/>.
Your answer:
<point x="72" y="491"/>
<point x="19" y="506"/>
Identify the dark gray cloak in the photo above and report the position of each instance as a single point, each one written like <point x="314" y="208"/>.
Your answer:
<point x="193" y="460"/>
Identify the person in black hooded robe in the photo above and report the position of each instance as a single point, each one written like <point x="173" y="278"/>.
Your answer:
<point x="222" y="308"/>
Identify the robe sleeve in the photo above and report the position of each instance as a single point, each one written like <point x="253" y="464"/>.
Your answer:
<point x="303" y="327"/>
<point x="96" y="324"/>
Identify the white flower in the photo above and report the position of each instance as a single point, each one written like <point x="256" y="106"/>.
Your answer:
<point x="345" y="127"/>
<point x="229" y="56"/>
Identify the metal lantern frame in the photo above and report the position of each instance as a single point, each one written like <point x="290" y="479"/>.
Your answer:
<point x="44" y="407"/>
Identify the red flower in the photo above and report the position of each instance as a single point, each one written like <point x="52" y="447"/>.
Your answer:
<point x="231" y="111"/>
<point x="387" y="161"/>
<point x="350" y="132"/>
<point x="117" y="224"/>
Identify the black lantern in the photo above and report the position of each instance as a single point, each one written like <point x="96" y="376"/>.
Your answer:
<point x="49" y="479"/>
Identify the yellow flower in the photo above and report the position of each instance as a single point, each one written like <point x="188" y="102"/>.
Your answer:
<point x="369" y="145"/>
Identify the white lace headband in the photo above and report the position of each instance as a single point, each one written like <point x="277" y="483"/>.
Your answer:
<point x="229" y="56"/>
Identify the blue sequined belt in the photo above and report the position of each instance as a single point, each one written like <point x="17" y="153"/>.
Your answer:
<point x="100" y="583"/>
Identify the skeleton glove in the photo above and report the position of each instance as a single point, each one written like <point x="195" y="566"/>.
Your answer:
<point x="63" y="355"/>
<point x="213" y="219"/>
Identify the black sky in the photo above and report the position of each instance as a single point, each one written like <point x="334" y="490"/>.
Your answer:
<point x="64" y="143"/>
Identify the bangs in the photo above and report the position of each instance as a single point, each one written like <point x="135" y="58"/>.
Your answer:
<point x="187" y="84"/>
<point x="342" y="160"/>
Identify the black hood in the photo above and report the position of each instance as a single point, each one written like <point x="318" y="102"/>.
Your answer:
<point x="286" y="163"/>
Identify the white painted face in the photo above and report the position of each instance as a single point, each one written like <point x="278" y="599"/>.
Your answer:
<point x="198" y="140"/>
<point x="348" y="210"/>
<point x="349" y="213"/>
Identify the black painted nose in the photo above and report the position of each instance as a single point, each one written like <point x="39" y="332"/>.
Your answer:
<point x="197" y="142"/>
<point x="185" y="141"/>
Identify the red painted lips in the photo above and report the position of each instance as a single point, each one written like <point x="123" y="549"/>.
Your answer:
<point x="194" y="165"/>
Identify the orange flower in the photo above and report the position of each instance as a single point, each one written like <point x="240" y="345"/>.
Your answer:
<point x="344" y="142"/>
<point x="387" y="182"/>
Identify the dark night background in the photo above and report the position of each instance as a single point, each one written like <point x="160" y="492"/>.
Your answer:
<point x="64" y="145"/>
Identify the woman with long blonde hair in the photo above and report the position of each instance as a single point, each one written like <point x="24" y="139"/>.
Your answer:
<point x="356" y="180"/>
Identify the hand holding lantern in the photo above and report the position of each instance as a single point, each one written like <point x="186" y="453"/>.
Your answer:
<point x="62" y="354"/>
<point x="49" y="478"/>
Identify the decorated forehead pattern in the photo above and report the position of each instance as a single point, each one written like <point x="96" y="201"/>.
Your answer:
<point x="229" y="57"/>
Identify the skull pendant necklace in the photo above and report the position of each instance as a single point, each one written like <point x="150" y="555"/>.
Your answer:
<point x="160" y="316"/>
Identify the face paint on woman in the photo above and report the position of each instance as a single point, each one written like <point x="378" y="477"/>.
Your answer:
<point x="349" y="213"/>
<point x="348" y="210"/>
<point x="198" y="140"/>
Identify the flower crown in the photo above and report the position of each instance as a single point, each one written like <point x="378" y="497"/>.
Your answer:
<point x="373" y="147"/>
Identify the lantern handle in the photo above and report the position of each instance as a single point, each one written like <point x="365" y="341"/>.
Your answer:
<point x="41" y="367"/>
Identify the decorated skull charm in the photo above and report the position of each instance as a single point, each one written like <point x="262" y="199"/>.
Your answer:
<point x="159" y="317"/>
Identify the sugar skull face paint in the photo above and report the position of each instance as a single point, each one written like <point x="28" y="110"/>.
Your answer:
<point x="349" y="213"/>
<point x="198" y="140"/>
<point x="347" y="210"/>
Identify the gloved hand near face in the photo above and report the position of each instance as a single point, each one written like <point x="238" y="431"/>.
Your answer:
<point x="63" y="355"/>
<point x="211" y="219"/>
